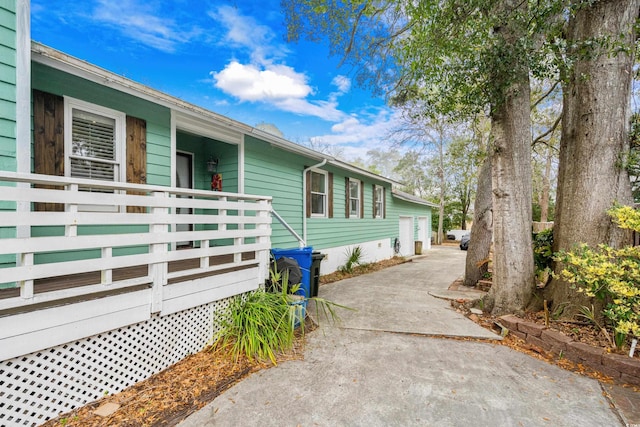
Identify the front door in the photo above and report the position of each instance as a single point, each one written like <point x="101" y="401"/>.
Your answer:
<point x="184" y="179"/>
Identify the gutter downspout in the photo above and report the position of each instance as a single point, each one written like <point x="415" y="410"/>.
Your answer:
<point x="304" y="197"/>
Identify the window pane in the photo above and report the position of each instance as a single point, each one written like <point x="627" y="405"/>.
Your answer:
<point x="317" y="204"/>
<point x="378" y="194"/>
<point x="317" y="182"/>
<point x="355" y="205"/>
<point x="353" y="189"/>
<point x="93" y="135"/>
<point x="82" y="168"/>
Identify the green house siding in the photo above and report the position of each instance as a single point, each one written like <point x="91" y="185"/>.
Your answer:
<point x="275" y="172"/>
<point x="8" y="86"/>
<point x="8" y="108"/>
<point x="341" y="231"/>
<point x="158" y="118"/>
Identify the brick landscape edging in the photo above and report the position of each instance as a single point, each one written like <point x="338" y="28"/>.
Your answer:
<point x="620" y="367"/>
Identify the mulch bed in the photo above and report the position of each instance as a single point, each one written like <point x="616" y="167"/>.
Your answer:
<point x="362" y="269"/>
<point x="170" y="396"/>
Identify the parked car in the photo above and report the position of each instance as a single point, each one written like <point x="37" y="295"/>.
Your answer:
<point x="464" y="242"/>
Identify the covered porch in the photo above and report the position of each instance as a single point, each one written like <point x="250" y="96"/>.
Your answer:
<point x="80" y="257"/>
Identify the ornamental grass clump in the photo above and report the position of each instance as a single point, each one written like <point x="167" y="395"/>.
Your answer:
<point x="612" y="275"/>
<point x="257" y="325"/>
<point x="261" y="324"/>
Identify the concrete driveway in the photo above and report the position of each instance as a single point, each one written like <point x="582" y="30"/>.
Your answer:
<point x="388" y="365"/>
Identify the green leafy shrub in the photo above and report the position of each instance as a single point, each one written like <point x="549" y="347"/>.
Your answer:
<point x="354" y="257"/>
<point x="543" y="255"/>
<point x="543" y="249"/>
<point x="612" y="275"/>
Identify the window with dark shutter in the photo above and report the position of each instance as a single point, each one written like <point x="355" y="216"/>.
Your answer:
<point x="378" y="201"/>
<point x="354" y="199"/>
<point x="83" y="140"/>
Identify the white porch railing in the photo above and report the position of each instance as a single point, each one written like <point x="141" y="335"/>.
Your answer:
<point x="95" y="266"/>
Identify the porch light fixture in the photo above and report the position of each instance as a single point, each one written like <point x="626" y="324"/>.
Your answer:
<point x="212" y="165"/>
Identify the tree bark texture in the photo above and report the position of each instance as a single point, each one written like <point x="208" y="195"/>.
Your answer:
<point x="513" y="269"/>
<point x="482" y="230"/>
<point x="594" y="142"/>
<point x="442" y="189"/>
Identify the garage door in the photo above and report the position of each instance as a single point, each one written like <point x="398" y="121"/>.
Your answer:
<point x="406" y="236"/>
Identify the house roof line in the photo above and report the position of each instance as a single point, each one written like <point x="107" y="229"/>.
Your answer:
<point x="411" y="198"/>
<point x="59" y="60"/>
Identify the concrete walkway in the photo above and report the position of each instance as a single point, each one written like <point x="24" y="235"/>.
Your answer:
<point x="387" y="365"/>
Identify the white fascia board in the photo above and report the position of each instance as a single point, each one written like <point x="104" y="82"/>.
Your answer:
<point x="413" y="199"/>
<point x="351" y="168"/>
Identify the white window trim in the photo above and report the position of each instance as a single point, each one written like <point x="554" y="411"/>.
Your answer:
<point x="358" y="214"/>
<point x="380" y="201"/>
<point x="325" y="206"/>
<point x="120" y="118"/>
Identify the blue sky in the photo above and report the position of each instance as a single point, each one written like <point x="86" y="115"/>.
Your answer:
<point x="227" y="56"/>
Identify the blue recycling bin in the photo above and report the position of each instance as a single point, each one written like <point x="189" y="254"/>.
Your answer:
<point x="304" y="259"/>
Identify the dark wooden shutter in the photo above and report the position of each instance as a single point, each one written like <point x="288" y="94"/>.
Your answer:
<point x="346" y="191"/>
<point x="384" y="202"/>
<point x="361" y="199"/>
<point x="48" y="140"/>
<point x="373" y="211"/>
<point x="308" y="194"/>
<point x="330" y="195"/>
<point x="136" y="156"/>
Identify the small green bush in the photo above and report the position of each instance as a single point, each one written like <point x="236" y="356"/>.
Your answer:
<point x="612" y="275"/>
<point x="543" y="249"/>
<point x="354" y="257"/>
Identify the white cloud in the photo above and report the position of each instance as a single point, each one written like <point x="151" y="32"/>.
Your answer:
<point x="245" y="32"/>
<point x="251" y="83"/>
<point x="324" y="110"/>
<point x="140" y="22"/>
<point x="266" y="78"/>
<point x="355" y="135"/>
<point x="343" y="83"/>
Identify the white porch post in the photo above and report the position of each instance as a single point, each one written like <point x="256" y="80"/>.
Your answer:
<point x="158" y="270"/>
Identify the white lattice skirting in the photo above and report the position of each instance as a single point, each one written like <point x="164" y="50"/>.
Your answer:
<point x="40" y="386"/>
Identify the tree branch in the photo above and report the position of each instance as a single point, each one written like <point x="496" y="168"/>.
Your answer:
<point x="539" y="100"/>
<point x="548" y="132"/>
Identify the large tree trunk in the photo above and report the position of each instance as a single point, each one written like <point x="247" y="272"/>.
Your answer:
<point x="513" y="269"/>
<point x="594" y="142"/>
<point x="482" y="229"/>
<point x="442" y="189"/>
